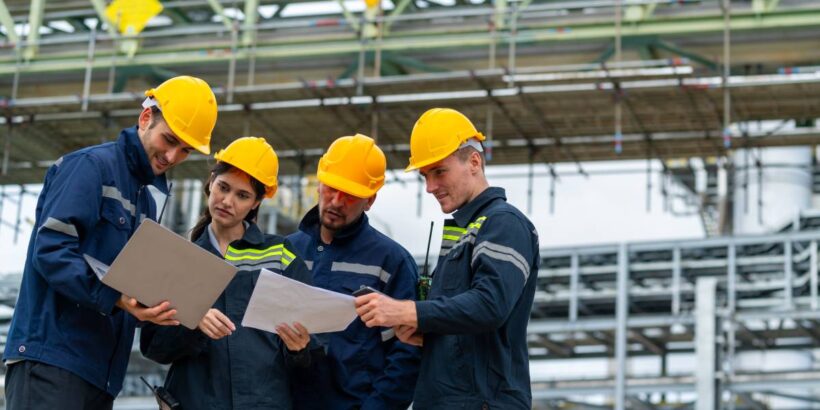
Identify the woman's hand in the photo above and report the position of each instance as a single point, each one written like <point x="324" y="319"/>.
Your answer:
<point x="216" y="325"/>
<point x="296" y="338"/>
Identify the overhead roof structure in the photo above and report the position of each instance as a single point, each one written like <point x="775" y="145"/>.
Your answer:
<point x="537" y="76"/>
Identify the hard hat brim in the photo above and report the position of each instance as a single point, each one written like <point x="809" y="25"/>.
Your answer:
<point x="346" y="186"/>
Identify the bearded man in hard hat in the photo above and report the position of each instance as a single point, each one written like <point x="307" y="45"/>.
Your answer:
<point x="360" y="367"/>
<point x="473" y="327"/>
<point x="71" y="335"/>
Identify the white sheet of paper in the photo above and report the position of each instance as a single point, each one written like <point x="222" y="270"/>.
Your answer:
<point x="277" y="299"/>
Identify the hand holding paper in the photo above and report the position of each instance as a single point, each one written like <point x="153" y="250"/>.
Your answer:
<point x="296" y="338"/>
<point x="161" y="314"/>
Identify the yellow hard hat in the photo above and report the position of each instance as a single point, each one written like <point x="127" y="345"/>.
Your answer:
<point x="189" y="108"/>
<point x="438" y="133"/>
<point x="353" y="165"/>
<point x="255" y="157"/>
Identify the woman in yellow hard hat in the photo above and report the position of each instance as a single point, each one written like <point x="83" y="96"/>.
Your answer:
<point x="222" y="365"/>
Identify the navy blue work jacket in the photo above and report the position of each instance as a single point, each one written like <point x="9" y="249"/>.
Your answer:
<point x="475" y="321"/>
<point x="248" y="369"/>
<point x="91" y="203"/>
<point x="363" y="368"/>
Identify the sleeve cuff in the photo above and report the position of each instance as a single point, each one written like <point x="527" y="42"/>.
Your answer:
<point x="423" y="315"/>
<point x="108" y="300"/>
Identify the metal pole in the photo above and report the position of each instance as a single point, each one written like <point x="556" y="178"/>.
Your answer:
<point x="15" y="83"/>
<point x="374" y="122"/>
<point x="252" y="61"/>
<point x="491" y="65"/>
<point x="112" y="71"/>
<point x="552" y="192"/>
<point x="574" y="273"/>
<point x="377" y="53"/>
<point x="727" y="136"/>
<point x="731" y="304"/>
<point x="788" y="301"/>
<point x="530" y="180"/>
<point x="513" y="35"/>
<point x="360" y="75"/>
<point x="616" y="87"/>
<point x="676" y="276"/>
<point x="705" y="344"/>
<point x="19" y="214"/>
<point x="621" y="313"/>
<point x="731" y="280"/>
<point x="648" y="184"/>
<point x="7" y="146"/>
<point x="232" y="63"/>
<point x="92" y="39"/>
<point x="813" y="273"/>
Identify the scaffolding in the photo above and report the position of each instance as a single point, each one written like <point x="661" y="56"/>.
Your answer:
<point x="711" y="300"/>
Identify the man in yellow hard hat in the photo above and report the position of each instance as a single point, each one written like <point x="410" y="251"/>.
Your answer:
<point x="71" y="335"/>
<point x="363" y="368"/>
<point x="473" y="327"/>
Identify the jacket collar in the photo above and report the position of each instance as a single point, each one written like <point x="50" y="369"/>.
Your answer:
<point x="137" y="160"/>
<point x="469" y="212"/>
<point x="253" y="237"/>
<point x="310" y="225"/>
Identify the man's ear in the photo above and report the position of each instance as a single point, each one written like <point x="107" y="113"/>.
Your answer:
<point x="370" y="202"/>
<point x="475" y="162"/>
<point x="145" y="118"/>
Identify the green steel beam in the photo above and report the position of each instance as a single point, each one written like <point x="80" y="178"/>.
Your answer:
<point x="500" y="13"/>
<point x="439" y="39"/>
<point x="8" y="22"/>
<point x="35" y="21"/>
<point x="249" y="26"/>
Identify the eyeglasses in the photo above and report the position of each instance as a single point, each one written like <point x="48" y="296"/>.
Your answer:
<point x="331" y="193"/>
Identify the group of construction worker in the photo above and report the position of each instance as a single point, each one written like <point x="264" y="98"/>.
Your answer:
<point x="457" y="341"/>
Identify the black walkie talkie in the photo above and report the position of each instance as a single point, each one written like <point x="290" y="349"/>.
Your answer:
<point x="424" y="279"/>
<point x="164" y="398"/>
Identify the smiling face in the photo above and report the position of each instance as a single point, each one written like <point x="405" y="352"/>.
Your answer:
<point x="164" y="149"/>
<point x="231" y="198"/>
<point x="338" y="209"/>
<point x="455" y="181"/>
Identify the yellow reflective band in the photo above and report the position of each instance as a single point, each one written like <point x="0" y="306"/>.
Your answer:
<point x="252" y="257"/>
<point x="257" y="251"/>
<point x="477" y="223"/>
<point x="451" y="237"/>
<point x="454" y="229"/>
<point x="288" y="253"/>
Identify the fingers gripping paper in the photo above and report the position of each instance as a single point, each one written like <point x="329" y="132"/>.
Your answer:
<point x="277" y="299"/>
